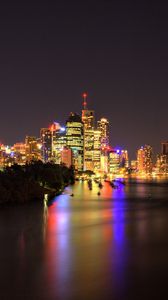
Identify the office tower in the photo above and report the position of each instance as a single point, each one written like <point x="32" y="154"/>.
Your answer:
<point x="97" y="151"/>
<point x="144" y="159"/>
<point x="103" y="126"/>
<point x="148" y="159"/>
<point x="114" y="162"/>
<point x="32" y="148"/>
<point x="88" y="121"/>
<point x="164" y="158"/>
<point x="46" y="144"/>
<point x="74" y="138"/>
<point x="58" y="135"/>
<point x="141" y="160"/>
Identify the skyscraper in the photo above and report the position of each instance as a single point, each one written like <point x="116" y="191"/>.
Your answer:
<point x="74" y="138"/>
<point x="144" y="159"/>
<point x="46" y="144"/>
<point x="164" y="158"/>
<point x="58" y="141"/>
<point x="88" y="121"/>
<point x="97" y="150"/>
<point x="103" y="126"/>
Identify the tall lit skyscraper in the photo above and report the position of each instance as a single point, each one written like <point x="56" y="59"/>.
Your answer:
<point x="74" y="138"/>
<point x="144" y="159"/>
<point x="46" y="144"/>
<point x="97" y="150"/>
<point x="103" y="126"/>
<point x="148" y="159"/>
<point x="141" y="160"/>
<point x="58" y="141"/>
<point x="164" y="158"/>
<point x="88" y="121"/>
<point x="114" y="162"/>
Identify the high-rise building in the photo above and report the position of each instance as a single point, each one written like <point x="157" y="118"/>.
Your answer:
<point x="97" y="151"/>
<point x="114" y="162"/>
<point x="141" y="160"/>
<point x="148" y="159"/>
<point x="162" y="159"/>
<point x="103" y="126"/>
<point x="46" y="144"/>
<point x="88" y="121"/>
<point x="58" y="134"/>
<point x="74" y="139"/>
<point x="144" y="159"/>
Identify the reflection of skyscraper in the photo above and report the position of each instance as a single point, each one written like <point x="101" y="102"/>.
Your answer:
<point x="103" y="126"/>
<point x="88" y="121"/>
<point x="74" y="137"/>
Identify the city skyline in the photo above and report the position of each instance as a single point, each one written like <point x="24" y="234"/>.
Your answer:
<point x="84" y="97"/>
<point x="84" y="143"/>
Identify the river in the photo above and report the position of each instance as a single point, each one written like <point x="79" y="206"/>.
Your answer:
<point x="111" y="246"/>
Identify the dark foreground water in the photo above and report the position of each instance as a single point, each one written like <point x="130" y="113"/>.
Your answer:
<point x="113" y="246"/>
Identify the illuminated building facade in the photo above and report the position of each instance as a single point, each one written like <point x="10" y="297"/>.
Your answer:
<point x="58" y="134"/>
<point x="74" y="139"/>
<point x="97" y="151"/>
<point x="103" y="126"/>
<point x="141" y="160"/>
<point x="46" y="144"/>
<point x="162" y="159"/>
<point x="148" y="159"/>
<point x="88" y="121"/>
<point x="19" y="153"/>
<point x="114" y="162"/>
<point x="32" y="148"/>
<point x="144" y="159"/>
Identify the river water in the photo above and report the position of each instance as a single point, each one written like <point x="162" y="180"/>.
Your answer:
<point x="112" y="246"/>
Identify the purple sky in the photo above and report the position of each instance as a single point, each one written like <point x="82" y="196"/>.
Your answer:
<point x="117" y="51"/>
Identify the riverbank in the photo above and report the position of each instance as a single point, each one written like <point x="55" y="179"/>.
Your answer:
<point x="23" y="184"/>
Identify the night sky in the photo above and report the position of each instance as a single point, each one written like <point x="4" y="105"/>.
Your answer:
<point x="117" y="51"/>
